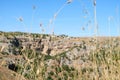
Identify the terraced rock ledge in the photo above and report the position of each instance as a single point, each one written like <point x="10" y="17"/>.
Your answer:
<point x="28" y="56"/>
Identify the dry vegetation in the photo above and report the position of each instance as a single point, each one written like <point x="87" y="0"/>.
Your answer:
<point x="87" y="61"/>
<point x="27" y="56"/>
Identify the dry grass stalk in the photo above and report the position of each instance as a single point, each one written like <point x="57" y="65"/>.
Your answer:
<point x="95" y="20"/>
<point x="51" y="22"/>
<point x="42" y="28"/>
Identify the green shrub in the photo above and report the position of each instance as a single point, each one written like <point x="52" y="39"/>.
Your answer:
<point x="49" y="78"/>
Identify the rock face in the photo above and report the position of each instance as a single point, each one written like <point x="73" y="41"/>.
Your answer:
<point x="45" y="57"/>
<point x="48" y="45"/>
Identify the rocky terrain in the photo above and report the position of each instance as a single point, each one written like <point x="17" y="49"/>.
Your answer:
<point x="28" y="56"/>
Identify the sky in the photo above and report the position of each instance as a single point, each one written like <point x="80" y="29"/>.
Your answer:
<point x="73" y="19"/>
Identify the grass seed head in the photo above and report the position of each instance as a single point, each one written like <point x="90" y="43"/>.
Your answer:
<point x="41" y="24"/>
<point x="83" y="29"/>
<point x="34" y="7"/>
<point x="20" y="19"/>
<point x="69" y="1"/>
<point x="94" y="2"/>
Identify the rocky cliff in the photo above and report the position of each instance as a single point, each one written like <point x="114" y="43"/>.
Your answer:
<point x="49" y="57"/>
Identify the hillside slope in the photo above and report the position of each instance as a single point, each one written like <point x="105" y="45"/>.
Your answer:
<point x="48" y="57"/>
